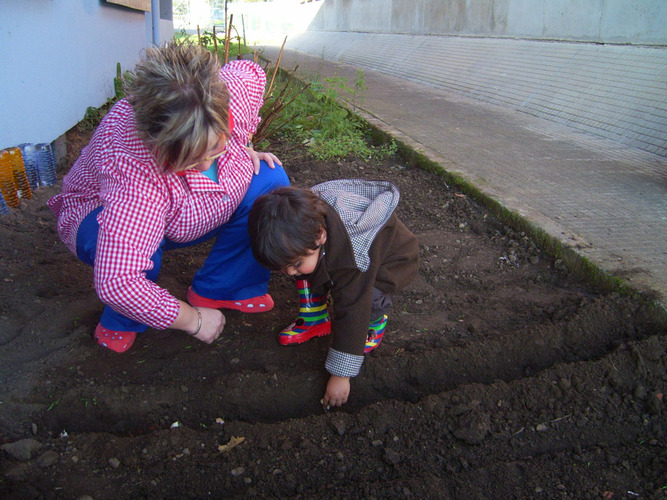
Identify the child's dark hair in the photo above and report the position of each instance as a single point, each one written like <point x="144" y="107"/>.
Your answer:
<point x="284" y="225"/>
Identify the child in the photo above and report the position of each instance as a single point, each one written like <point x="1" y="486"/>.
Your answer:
<point x="340" y="237"/>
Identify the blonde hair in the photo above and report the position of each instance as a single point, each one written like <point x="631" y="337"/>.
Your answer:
<point x="179" y="102"/>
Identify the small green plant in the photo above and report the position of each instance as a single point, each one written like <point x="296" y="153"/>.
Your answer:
<point x="93" y="115"/>
<point x="119" y="83"/>
<point x="215" y="41"/>
<point x="359" y="88"/>
<point x="53" y="404"/>
<point x="86" y="402"/>
<point x="209" y="39"/>
<point x="91" y="118"/>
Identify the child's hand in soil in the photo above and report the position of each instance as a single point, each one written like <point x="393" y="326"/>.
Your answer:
<point x="338" y="389"/>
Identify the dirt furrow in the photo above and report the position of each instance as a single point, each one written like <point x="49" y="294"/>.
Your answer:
<point x="587" y="425"/>
<point x="266" y="393"/>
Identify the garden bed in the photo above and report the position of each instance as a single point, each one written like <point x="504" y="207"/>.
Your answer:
<point x="501" y="375"/>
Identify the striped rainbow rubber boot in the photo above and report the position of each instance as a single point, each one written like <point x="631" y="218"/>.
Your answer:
<point x="375" y="332"/>
<point x="312" y="321"/>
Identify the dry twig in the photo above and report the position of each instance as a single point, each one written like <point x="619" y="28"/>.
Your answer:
<point x="227" y="35"/>
<point x="275" y="71"/>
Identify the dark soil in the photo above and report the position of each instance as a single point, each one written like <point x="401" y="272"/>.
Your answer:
<point x="501" y="375"/>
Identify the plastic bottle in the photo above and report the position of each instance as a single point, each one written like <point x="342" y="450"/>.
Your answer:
<point x="30" y="164"/>
<point x="4" y="209"/>
<point x="7" y="182"/>
<point x="46" y="165"/>
<point x="20" y="177"/>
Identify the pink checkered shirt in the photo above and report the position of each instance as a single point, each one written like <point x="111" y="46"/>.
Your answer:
<point x="143" y="204"/>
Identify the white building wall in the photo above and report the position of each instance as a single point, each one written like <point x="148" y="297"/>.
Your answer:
<point x="599" y="66"/>
<point x="58" y="57"/>
<point x="609" y="21"/>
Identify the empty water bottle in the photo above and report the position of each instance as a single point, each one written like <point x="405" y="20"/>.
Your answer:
<point x="20" y="177"/>
<point x="4" y="209"/>
<point x="46" y="165"/>
<point x="7" y="182"/>
<point x="30" y="164"/>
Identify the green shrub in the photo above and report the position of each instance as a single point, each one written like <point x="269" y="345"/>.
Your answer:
<point x="315" y="118"/>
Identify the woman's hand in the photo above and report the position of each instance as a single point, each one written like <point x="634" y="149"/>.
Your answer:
<point x="338" y="389"/>
<point x="256" y="157"/>
<point x="212" y="322"/>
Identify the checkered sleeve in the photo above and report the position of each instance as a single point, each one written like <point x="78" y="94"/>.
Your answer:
<point x="343" y="364"/>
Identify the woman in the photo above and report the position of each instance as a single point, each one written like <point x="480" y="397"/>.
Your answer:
<point x="168" y="167"/>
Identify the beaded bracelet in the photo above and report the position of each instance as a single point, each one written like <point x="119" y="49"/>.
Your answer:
<point x="198" y="321"/>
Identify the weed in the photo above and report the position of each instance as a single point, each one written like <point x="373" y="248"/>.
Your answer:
<point x="119" y="83"/>
<point x="314" y="117"/>
<point x="91" y="118"/>
<point x="87" y="401"/>
<point x="359" y="88"/>
<point x="217" y="43"/>
<point x="211" y="39"/>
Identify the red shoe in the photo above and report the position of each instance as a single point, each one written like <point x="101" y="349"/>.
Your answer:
<point x="313" y="319"/>
<point x="259" y="304"/>
<point x="111" y="339"/>
<point x="299" y="332"/>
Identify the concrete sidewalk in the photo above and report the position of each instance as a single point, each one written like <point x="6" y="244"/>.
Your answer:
<point x="603" y="199"/>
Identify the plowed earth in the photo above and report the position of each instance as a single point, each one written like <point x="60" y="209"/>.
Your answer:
<point x="501" y="375"/>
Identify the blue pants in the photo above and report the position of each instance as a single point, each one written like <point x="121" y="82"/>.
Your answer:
<point x="230" y="271"/>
